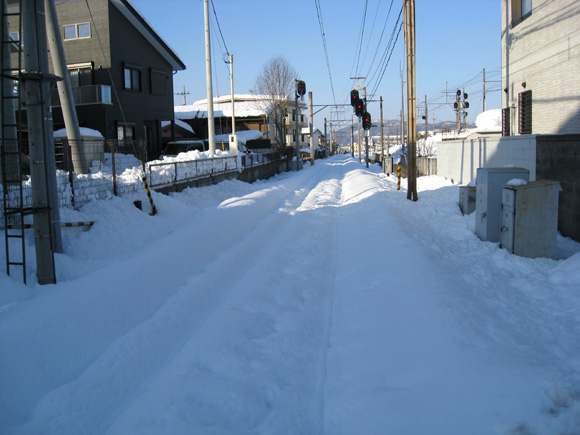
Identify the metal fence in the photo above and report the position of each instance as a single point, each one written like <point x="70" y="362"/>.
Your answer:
<point x="176" y="172"/>
<point x="117" y="168"/>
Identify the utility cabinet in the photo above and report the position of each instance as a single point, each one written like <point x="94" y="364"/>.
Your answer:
<point x="490" y="182"/>
<point x="467" y="199"/>
<point x="529" y="219"/>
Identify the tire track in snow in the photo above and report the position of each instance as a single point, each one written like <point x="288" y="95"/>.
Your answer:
<point x="145" y="347"/>
<point x="261" y="325"/>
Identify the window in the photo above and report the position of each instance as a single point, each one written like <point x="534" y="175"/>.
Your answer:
<point x="505" y="121"/>
<point x="77" y="31"/>
<point x="525" y="112"/>
<point x="80" y="74"/>
<point x="125" y="132"/>
<point x="521" y="9"/>
<point x="132" y="78"/>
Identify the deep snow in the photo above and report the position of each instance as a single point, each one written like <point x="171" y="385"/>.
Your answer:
<point x="315" y="302"/>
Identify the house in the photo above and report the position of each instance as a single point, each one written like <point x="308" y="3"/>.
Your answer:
<point x="540" y="105"/>
<point x="121" y="71"/>
<point x="251" y="113"/>
<point x="540" y="67"/>
<point x="175" y="130"/>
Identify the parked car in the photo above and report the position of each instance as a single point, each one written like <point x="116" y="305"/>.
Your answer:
<point x="173" y="148"/>
<point x="225" y="146"/>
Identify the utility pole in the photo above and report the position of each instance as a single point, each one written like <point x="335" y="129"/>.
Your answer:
<point x="65" y="94"/>
<point x="359" y="143"/>
<point x="484" y="89"/>
<point x="352" y="135"/>
<point x="208" y="78"/>
<point x="326" y="138"/>
<point x="233" y="137"/>
<point x="382" y="135"/>
<point x="402" y="111"/>
<point x="411" y="100"/>
<point x="310" y="125"/>
<point x="388" y="138"/>
<point x="183" y="93"/>
<point x="47" y="235"/>
<point x="359" y="132"/>
<point x="426" y="118"/>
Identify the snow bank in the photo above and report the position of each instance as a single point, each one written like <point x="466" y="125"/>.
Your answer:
<point x="489" y="121"/>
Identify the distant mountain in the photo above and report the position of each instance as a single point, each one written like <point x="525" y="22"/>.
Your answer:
<point x="394" y="129"/>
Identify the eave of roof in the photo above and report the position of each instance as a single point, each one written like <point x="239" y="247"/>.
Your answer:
<point x="141" y="24"/>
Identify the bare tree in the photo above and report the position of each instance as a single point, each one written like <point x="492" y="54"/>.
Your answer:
<point x="276" y="83"/>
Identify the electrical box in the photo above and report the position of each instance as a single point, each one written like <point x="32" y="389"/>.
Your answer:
<point x="233" y="145"/>
<point x="529" y="219"/>
<point x="490" y="182"/>
<point x="388" y="165"/>
<point x="467" y="199"/>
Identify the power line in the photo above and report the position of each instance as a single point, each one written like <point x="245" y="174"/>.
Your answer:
<point x="361" y="36"/>
<point x="380" y="39"/>
<point x="323" y="36"/>
<point x="219" y="28"/>
<point x="386" y="57"/>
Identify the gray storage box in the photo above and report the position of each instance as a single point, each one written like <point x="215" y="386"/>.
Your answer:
<point x="467" y="199"/>
<point x="490" y="182"/>
<point x="529" y="219"/>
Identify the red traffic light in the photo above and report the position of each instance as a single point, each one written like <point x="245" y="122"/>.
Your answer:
<point x="466" y="104"/>
<point x="359" y="109"/>
<point x="300" y="88"/>
<point x="455" y="105"/>
<point x="458" y="93"/>
<point x="367" y="121"/>
<point x="465" y="95"/>
<point x="354" y="97"/>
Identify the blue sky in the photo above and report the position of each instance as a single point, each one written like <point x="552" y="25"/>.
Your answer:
<point x="455" y="41"/>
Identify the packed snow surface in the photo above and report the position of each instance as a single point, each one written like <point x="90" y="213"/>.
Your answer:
<point x="316" y="302"/>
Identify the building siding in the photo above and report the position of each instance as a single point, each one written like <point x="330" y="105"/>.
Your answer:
<point x="543" y="51"/>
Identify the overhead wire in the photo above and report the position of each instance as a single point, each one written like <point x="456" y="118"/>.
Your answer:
<point x="323" y="36"/>
<point x="370" y="35"/>
<point x="360" y="39"/>
<point x="380" y="38"/>
<point x="386" y="57"/>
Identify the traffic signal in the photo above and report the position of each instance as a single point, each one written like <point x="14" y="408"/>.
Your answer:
<point x="367" y="121"/>
<point x="359" y="108"/>
<point x="465" y="102"/>
<point x="300" y="88"/>
<point x="354" y="98"/>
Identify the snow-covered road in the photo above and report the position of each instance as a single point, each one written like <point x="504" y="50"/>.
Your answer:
<point x="316" y="302"/>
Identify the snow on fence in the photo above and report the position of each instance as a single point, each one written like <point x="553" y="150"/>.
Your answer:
<point x="75" y="190"/>
<point x="179" y="171"/>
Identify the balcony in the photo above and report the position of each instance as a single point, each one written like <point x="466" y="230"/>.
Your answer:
<point x="85" y="95"/>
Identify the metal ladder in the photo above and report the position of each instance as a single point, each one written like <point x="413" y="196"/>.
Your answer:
<point x="11" y="146"/>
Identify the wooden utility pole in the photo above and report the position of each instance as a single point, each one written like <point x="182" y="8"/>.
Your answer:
<point x="184" y="95"/>
<point x="310" y="127"/>
<point x="411" y="101"/>
<point x="426" y="118"/>
<point x="382" y="135"/>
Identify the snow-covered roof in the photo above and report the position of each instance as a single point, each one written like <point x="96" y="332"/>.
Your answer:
<point x="245" y="105"/>
<point x="180" y="123"/>
<point x="85" y="132"/>
<point x="243" y="136"/>
<point x="489" y="121"/>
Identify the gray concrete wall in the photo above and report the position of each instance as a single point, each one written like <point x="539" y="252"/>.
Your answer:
<point x="558" y="159"/>
<point x="459" y="159"/>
